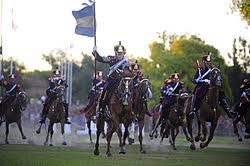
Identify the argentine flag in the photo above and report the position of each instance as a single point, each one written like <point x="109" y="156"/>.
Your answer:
<point x="85" y="21"/>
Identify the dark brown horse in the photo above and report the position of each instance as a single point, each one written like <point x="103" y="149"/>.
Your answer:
<point x="141" y="93"/>
<point x="56" y="114"/>
<point x="209" y="109"/>
<point x="243" y="109"/>
<point x="120" y="111"/>
<point x="90" y="115"/>
<point x="13" y="113"/>
<point x="175" y="119"/>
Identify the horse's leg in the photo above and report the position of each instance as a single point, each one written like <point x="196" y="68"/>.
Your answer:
<point x="158" y="121"/>
<point x="211" y="134"/>
<point x="204" y="131"/>
<point x="89" y="128"/>
<point x="110" y="131"/>
<point x="173" y="135"/>
<point x="198" y="137"/>
<point x="236" y="132"/>
<point x="190" y="131"/>
<point x="7" y="132"/>
<point x="63" y="133"/>
<point x="99" y="123"/>
<point x="126" y="134"/>
<point x="51" y="135"/>
<point x="20" y="128"/>
<point x="39" y="129"/>
<point x="119" y="134"/>
<point x="141" y="126"/>
<point x="184" y="128"/>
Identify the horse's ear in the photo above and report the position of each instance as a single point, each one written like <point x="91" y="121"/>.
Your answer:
<point x="218" y="67"/>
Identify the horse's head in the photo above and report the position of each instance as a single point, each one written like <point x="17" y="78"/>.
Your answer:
<point x="145" y="88"/>
<point x="125" y="90"/>
<point x="215" y="77"/>
<point x="22" y="100"/>
<point x="60" y="92"/>
<point x="182" y="99"/>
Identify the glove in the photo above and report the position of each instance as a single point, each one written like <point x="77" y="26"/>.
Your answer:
<point x="207" y="81"/>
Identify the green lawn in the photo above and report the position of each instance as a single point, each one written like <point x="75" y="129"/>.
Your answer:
<point x="219" y="153"/>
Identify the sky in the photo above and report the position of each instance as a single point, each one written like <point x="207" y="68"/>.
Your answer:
<point x="44" y="25"/>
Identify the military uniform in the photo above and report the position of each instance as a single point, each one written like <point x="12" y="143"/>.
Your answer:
<point x="11" y="90"/>
<point x="97" y="87"/>
<point x="54" y="81"/>
<point x="202" y="81"/>
<point x="117" y="63"/>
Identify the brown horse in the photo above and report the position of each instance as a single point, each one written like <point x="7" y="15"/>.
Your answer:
<point x="56" y="114"/>
<point x="141" y="92"/>
<point x="243" y="109"/>
<point x="209" y="109"/>
<point x="90" y="116"/>
<point x="176" y="118"/>
<point x="119" y="109"/>
<point x="13" y="113"/>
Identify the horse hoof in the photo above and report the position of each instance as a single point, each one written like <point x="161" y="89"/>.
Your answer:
<point x="203" y="139"/>
<point x="64" y="143"/>
<point x="131" y="141"/>
<point x="156" y="135"/>
<point x="174" y="148"/>
<point x="197" y="138"/>
<point x="143" y="151"/>
<point x="109" y="154"/>
<point x="188" y="139"/>
<point x="96" y="152"/>
<point x="91" y="142"/>
<point x="7" y="142"/>
<point x="50" y="144"/>
<point x="24" y="137"/>
<point x="122" y="150"/>
<point x="38" y="132"/>
<point x="192" y="147"/>
<point x="103" y="136"/>
<point x="240" y="139"/>
<point x="202" y="145"/>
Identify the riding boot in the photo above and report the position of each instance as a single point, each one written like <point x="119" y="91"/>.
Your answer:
<point x="100" y="111"/>
<point x="66" y="107"/>
<point x="226" y="108"/>
<point x="146" y="109"/>
<point x="44" y="114"/>
<point x="193" y="107"/>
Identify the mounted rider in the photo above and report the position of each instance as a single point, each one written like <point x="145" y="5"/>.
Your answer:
<point x="54" y="82"/>
<point x="171" y="89"/>
<point x="97" y="87"/>
<point x="244" y="97"/>
<point x="117" y="63"/>
<point x="202" y="81"/>
<point x="136" y="80"/>
<point x="11" y="90"/>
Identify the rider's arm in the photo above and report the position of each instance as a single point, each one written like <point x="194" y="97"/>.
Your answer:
<point x="100" y="58"/>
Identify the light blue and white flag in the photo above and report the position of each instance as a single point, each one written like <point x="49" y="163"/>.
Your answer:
<point x="85" y="21"/>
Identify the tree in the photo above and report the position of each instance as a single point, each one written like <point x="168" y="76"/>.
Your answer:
<point x="179" y="54"/>
<point x="243" y="6"/>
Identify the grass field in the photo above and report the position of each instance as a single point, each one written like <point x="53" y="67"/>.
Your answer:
<point x="223" y="151"/>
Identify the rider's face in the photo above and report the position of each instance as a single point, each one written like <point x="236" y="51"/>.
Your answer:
<point x="119" y="55"/>
<point x="207" y="64"/>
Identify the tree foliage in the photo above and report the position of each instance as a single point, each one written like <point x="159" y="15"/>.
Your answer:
<point x="243" y="6"/>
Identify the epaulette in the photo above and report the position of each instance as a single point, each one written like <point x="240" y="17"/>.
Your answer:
<point x="242" y="86"/>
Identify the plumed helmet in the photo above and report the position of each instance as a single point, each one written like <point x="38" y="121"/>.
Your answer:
<point x="99" y="73"/>
<point x="120" y="48"/>
<point x="135" y="66"/>
<point x="57" y="72"/>
<point x="175" y="75"/>
<point x="12" y="76"/>
<point x="207" y="58"/>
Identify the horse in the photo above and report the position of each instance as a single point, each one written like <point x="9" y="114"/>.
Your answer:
<point x="175" y="119"/>
<point x="56" y="114"/>
<point x="155" y="116"/>
<point x="119" y="110"/>
<point x="13" y="113"/>
<point x="209" y="109"/>
<point x="90" y="116"/>
<point x="142" y="92"/>
<point x="243" y="109"/>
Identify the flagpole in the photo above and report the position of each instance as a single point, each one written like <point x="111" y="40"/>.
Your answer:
<point x="95" y="44"/>
<point x="1" y="69"/>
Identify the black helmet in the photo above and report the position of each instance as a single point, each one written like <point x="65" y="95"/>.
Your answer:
<point x="120" y="48"/>
<point x="12" y="76"/>
<point x="135" y="66"/>
<point x="175" y="76"/>
<point x="207" y="58"/>
<point x="57" y="72"/>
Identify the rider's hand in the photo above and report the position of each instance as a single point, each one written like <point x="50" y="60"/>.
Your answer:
<point x="207" y="81"/>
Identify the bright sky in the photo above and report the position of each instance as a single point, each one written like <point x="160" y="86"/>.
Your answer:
<point x="43" y="25"/>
